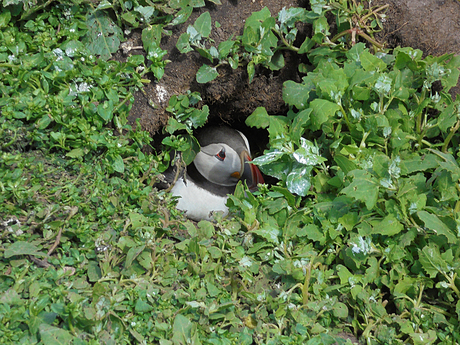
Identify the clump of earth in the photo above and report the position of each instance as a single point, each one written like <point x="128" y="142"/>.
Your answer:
<point x="430" y="25"/>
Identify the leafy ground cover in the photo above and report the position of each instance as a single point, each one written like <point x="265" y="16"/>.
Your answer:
<point x="360" y="234"/>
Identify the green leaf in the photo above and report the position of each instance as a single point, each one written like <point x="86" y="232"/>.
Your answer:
<point x="268" y="233"/>
<point x="44" y="122"/>
<point x="344" y="274"/>
<point x="321" y="26"/>
<point x="364" y="188"/>
<point x="142" y="306"/>
<point x="256" y="17"/>
<point x="388" y="226"/>
<point x="174" y="125"/>
<point x="277" y="61"/>
<point x="307" y="153"/>
<point x="345" y="164"/>
<point x="424" y="338"/>
<point x="251" y="71"/>
<point x="448" y="117"/>
<point x="432" y="222"/>
<point x="131" y="18"/>
<point x="105" y="110"/>
<point x="224" y="48"/>
<point x="181" y="330"/>
<point x="94" y="271"/>
<point x="203" y="24"/>
<point x="268" y="157"/>
<point x="54" y="336"/>
<point x="146" y="12"/>
<point x="299" y="124"/>
<point x="182" y="15"/>
<point x="314" y="233"/>
<point x="457" y="308"/>
<point x="431" y="260"/>
<point x="104" y="4"/>
<point x="198" y="3"/>
<point x="340" y="310"/>
<point x="451" y="79"/>
<point x="118" y="164"/>
<point x="206" y="53"/>
<point x="199" y="116"/>
<point x="306" y="46"/>
<point x="371" y="62"/>
<point x="214" y="52"/>
<point x="188" y="155"/>
<point x="183" y="44"/>
<point x="250" y="38"/>
<point x="5" y="17"/>
<point x="299" y="181"/>
<point x="259" y="118"/>
<point x="296" y="94"/>
<point x="75" y="153"/>
<point x="415" y="162"/>
<point x="22" y="248"/>
<point x="355" y="52"/>
<point x="205" y="74"/>
<point x="103" y="36"/>
<point x="288" y="17"/>
<point x="322" y="111"/>
<point x="133" y="253"/>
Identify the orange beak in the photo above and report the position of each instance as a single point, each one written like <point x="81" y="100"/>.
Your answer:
<point x="249" y="172"/>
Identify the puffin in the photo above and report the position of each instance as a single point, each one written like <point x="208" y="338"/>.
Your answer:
<point x="223" y="160"/>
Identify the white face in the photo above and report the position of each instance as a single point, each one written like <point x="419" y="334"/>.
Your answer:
<point x="217" y="163"/>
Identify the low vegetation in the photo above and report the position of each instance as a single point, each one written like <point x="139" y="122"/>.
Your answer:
<point x="359" y="236"/>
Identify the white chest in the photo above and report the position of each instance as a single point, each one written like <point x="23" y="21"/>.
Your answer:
<point x="197" y="202"/>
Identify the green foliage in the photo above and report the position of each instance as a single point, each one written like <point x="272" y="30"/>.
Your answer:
<point x="265" y="37"/>
<point x="387" y="208"/>
<point x="359" y="235"/>
<point x="291" y="157"/>
<point x="103" y="36"/>
<point x="185" y="117"/>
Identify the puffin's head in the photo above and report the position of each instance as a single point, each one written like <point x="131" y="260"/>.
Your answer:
<point x="225" y="157"/>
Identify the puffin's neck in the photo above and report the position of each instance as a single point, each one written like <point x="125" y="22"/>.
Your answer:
<point x="194" y="175"/>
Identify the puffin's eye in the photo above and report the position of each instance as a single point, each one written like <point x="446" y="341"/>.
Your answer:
<point x="221" y="155"/>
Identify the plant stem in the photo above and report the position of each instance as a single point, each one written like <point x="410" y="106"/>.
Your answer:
<point x="343" y="33"/>
<point x="10" y="65"/>
<point x="306" y="284"/>
<point x="449" y="137"/>
<point x="370" y="39"/>
<point x="374" y="12"/>
<point x="423" y="141"/>
<point x="452" y="283"/>
<point x="286" y="43"/>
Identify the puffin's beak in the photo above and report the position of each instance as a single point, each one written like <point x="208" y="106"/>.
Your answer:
<point x="249" y="172"/>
